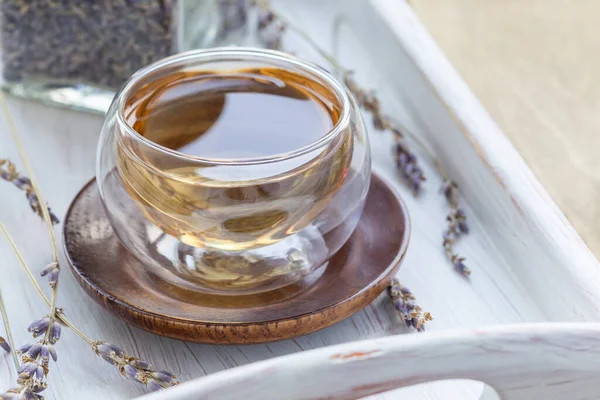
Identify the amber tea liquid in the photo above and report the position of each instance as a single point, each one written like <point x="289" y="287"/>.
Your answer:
<point x="240" y="115"/>
<point x="228" y="116"/>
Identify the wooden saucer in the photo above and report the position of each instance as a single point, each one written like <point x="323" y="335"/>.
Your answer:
<point x="355" y="276"/>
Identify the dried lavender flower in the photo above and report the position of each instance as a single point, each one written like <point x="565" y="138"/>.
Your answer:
<point x="54" y="333"/>
<point x="39" y="327"/>
<point x="406" y="161"/>
<point x="35" y="357"/>
<point x="4" y="344"/>
<point x="8" y="172"/>
<point x="457" y="226"/>
<point x="33" y="372"/>
<point x="52" y="270"/>
<point x="404" y="303"/>
<point x="270" y="29"/>
<point x="133" y="368"/>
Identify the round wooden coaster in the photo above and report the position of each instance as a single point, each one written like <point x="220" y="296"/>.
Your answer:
<point x="355" y="276"/>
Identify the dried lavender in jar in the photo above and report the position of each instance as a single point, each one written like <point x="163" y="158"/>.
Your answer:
<point x="97" y="42"/>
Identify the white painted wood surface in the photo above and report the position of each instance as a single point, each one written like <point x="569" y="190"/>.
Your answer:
<point x="530" y="361"/>
<point x="528" y="263"/>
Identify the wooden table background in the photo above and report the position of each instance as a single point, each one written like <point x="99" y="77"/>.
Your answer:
<point x="535" y="66"/>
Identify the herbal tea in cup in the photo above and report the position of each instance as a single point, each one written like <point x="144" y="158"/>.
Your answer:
<point x="233" y="170"/>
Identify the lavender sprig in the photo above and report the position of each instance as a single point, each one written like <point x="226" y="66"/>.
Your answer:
<point x="32" y="379"/>
<point x="35" y="360"/>
<point x="457" y="226"/>
<point x="8" y="172"/>
<point x="134" y="368"/>
<point x="406" y="161"/>
<point x="404" y="303"/>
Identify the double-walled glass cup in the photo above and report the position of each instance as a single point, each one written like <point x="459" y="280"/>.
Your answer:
<point x="234" y="226"/>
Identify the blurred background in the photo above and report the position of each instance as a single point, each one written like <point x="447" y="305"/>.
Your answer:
<point x="535" y="66"/>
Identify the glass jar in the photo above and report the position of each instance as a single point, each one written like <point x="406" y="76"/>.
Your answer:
<point x="76" y="53"/>
<point x="233" y="225"/>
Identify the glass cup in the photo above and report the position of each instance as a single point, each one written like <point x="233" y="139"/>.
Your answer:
<point x="234" y="226"/>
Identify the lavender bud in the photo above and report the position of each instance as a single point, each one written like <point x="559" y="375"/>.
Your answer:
<point x="154" y="385"/>
<point x="22" y="183"/>
<point x="25" y="348"/>
<point x="4" y="345"/>
<point x="53" y="218"/>
<point x="400" y="148"/>
<point x="379" y="122"/>
<point x="450" y="190"/>
<point x="164" y="377"/>
<point x="394" y="291"/>
<point x="407" y="170"/>
<point x="33" y="202"/>
<point x="53" y="277"/>
<point x="52" y="352"/>
<point x="402" y="161"/>
<point x="143" y="365"/>
<point x="38" y="327"/>
<point x="130" y="372"/>
<point x="28" y="367"/>
<point x="45" y="354"/>
<point x="405" y="291"/>
<point x="265" y="19"/>
<point x="49" y="268"/>
<point x="55" y="333"/>
<point x="399" y="304"/>
<point x="447" y="190"/>
<point x="39" y="372"/>
<point x="370" y="102"/>
<point x="463" y="227"/>
<point x="461" y="267"/>
<point x="33" y="351"/>
<point x="108" y="352"/>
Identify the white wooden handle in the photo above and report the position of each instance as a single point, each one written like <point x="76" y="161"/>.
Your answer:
<point x="528" y="361"/>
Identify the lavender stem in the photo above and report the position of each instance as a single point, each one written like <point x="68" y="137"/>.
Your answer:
<point x="29" y="170"/>
<point x="8" y="331"/>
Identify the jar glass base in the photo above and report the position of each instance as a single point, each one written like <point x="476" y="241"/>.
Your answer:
<point x="77" y="97"/>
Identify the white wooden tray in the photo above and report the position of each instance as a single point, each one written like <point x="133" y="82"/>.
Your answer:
<point x="528" y="263"/>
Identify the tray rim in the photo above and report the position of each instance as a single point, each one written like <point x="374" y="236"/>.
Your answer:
<point x="448" y="354"/>
<point x="563" y="243"/>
